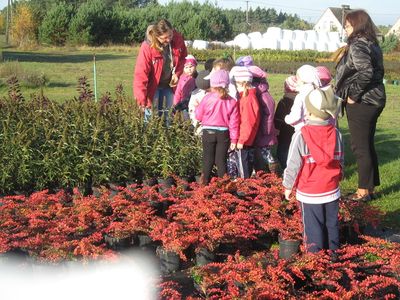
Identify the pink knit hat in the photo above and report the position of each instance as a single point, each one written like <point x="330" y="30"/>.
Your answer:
<point x="257" y="72"/>
<point x="190" y="60"/>
<point x="324" y="75"/>
<point x="219" y="78"/>
<point x="290" y="84"/>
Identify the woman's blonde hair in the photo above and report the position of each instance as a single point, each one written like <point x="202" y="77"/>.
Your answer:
<point x="161" y="27"/>
<point x="222" y="92"/>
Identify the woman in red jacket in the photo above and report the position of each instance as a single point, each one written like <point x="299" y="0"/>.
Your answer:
<point x="158" y="67"/>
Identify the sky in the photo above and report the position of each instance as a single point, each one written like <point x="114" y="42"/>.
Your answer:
<point x="383" y="12"/>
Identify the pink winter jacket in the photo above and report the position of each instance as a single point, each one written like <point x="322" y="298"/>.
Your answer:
<point x="186" y="85"/>
<point x="216" y="112"/>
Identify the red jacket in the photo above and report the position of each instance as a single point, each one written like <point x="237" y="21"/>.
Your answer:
<point x="148" y="69"/>
<point x="315" y="163"/>
<point x="249" y="117"/>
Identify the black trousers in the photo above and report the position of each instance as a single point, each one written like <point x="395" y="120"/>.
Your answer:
<point x="215" y="151"/>
<point x="362" y="120"/>
<point x="321" y="226"/>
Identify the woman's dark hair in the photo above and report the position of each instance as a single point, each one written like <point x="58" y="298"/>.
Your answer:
<point x="161" y="27"/>
<point x="362" y="25"/>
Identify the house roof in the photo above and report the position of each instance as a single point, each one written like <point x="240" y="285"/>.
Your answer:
<point x="337" y="12"/>
<point x="395" y="27"/>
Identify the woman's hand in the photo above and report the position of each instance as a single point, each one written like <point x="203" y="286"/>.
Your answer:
<point x="239" y="146"/>
<point x="232" y="146"/>
<point x="174" y="80"/>
<point x="350" y="101"/>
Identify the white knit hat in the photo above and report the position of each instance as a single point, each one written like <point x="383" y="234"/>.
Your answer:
<point x="308" y="74"/>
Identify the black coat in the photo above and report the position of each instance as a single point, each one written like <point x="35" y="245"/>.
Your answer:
<point x="359" y="74"/>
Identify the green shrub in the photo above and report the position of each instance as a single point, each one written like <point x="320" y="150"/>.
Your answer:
<point x="390" y="43"/>
<point x="45" y="144"/>
<point x="92" y="25"/>
<point x="54" y="27"/>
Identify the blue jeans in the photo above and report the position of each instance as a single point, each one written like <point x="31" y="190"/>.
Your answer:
<point x="163" y="100"/>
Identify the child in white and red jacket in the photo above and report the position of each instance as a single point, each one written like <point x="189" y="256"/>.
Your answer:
<point x="249" y="109"/>
<point x="314" y="169"/>
<point x="219" y="115"/>
<point x="186" y="84"/>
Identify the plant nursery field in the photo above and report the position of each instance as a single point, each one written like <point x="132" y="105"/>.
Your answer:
<point x="75" y="188"/>
<point x="59" y="69"/>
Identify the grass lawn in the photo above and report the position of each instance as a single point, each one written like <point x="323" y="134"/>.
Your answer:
<point x="115" y="65"/>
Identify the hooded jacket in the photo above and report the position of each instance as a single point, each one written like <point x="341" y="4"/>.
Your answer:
<point x="266" y="133"/>
<point x="149" y="64"/>
<point x="359" y="74"/>
<point x="216" y="112"/>
<point x="249" y="117"/>
<point x="315" y="163"/>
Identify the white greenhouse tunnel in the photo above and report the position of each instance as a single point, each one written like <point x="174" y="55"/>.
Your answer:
<point x="276" y="38"/>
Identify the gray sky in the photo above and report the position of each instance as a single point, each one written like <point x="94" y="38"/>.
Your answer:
<point x="383" y="12"/>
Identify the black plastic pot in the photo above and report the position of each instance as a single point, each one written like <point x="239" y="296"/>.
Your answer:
<point x="263" y="242"/>
<point x="118" y="243"/>
<point x="169" y="260"/>
<point x="204" y="257"/>
<point x="145" y="242"/>
<point x="165" y="185"/>
<point x="288" y="248"/>
<point x="348" y="235"/>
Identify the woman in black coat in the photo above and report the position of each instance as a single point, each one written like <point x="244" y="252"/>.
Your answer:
<point x="359" y="81"/>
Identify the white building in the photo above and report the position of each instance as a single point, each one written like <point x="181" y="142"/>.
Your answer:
<point x="332" y="18"/>
<point x="395" y="29"/>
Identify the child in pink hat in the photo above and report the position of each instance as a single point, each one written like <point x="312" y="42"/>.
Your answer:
<point x="219" y="116"/>
<point x="186" y="84"/>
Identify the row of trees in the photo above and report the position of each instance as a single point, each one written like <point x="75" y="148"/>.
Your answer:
<point x="98" y="22"/>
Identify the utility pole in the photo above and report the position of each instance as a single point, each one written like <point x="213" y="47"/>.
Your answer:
<point x="345" y="7"/>
<point x="247" y="12"/>
<point x="8" y="22"/>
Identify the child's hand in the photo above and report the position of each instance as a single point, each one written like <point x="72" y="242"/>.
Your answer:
<point x="287" y="194"/>
<point x="239" y="146"/>
<point x="233" y="146"/>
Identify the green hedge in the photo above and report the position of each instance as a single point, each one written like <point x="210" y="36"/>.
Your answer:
<point x="44" y="144"/>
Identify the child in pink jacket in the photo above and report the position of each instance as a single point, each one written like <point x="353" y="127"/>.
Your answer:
<point x="219" y="115"/>
<point x="186" y="84"/>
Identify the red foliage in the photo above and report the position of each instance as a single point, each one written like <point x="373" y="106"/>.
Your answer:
<point x="367" y="271"/>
